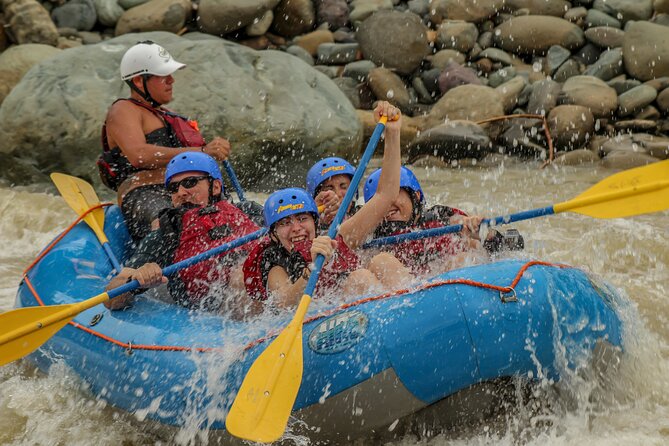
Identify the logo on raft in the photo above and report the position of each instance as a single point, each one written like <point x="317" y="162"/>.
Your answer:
<point x="338" y="333"/>
<point x="292" y="207"/>
<point x="332" y="169"/>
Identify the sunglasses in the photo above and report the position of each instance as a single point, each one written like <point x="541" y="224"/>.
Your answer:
<point x="187" y="183"/>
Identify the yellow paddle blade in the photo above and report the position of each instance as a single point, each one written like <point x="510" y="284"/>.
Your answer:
<point x="81" y="196"/>
<point x="265" y="399"/>
<point x="23" y="330"/>
<point x="637" y="191"/>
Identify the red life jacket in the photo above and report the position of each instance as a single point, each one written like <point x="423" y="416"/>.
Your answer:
<point x="203" y="229"/>
<point x="268" y="254"/>
<point x="114" y="167"/>
<point x="416" y="254"/>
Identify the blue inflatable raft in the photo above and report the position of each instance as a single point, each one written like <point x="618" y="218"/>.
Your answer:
<point x="367" y="364"/>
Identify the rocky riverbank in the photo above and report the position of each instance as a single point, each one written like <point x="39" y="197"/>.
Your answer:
<point x="586" y="80"/>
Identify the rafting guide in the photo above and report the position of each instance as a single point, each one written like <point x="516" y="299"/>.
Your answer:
<point x="140" y="136"/>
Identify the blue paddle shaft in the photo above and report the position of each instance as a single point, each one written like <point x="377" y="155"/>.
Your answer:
<point x="169" y="270"/>
<point x="504" y="219"/>
<point x="112" y="257"/>
<point x="343" y="207"/>
<point x="233" y="179"/>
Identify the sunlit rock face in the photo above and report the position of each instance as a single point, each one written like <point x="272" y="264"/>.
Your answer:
<point x="279" y="113"/>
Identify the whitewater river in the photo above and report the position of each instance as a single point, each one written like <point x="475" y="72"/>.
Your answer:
<point x="631" y="253"/>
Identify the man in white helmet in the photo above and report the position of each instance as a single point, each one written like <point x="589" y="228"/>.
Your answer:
<point x="140" y="137"/>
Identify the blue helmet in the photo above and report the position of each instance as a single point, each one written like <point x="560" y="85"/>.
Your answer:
<point x="286" y="202"/>
<point x="192" y="162"/>
<point x="326" y="168"/>
<point x="407" y="181"/>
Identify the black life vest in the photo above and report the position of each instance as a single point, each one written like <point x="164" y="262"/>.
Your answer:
<point x="268" y="254"/>
<point x="179" y="131"/>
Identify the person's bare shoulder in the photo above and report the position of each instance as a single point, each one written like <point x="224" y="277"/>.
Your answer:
<point x="122" y="110"/>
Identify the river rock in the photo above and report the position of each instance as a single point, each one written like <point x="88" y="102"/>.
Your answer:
<point x="155" y="15"/>
<point x="659" y="83"/>
<point x="662" y="101"/>
<point x="522" y="138"/>
<point x="635" y="99"/>
<point x="592" y="93"/>
<point x="17" y="60"/>
<point x="609" y="65"/>
<point x="500" y="76"/>
<point x="77" y="14"/>
<point x="362" y="9"/>
<point x="108" y="12"/>
<point x="457" y="35"/>
<point x="596" y="18"/>
<point x="571" y="126"/>
<point x="627" y="160"/>
<point x="279" y="113"/>
<point x="300" y="52"/>
<point x="626" y="9"/>
<point x="454" y="75"/>
<point x="260" y="26"/>
<point x="555" y="56"/>
<point x="576" y="15"/>
<point x="443" y="57"/>
<point x="556" y="8"/>
<point x="333" y="12"/>
<point x="403" y="45"/>
<point x="28" y="22"/>
<point x="358" y="70"/>
<point x="649" y="112"/>
<point x="623" y="85"/>
<point x="568" y="69"/>
<point x="605" y="36"/>
<point x="466" y="102"/>
<point x="220" y="17"/>
<point x="388" y="86"/>
<point x="510" y="92"/>
<point x="576" y="158"/>
<point x="536" y="34"/>
<point x="496" y="55"/>
<point x="128" y="4"/>
<point x="475" y="12"/>
<point x="294" y="17"/>
<point x="588" y="54"/>
<point x="646" y="50"/>
<point x="337" y="53"/>
<point x="452" y="140"/>
<point x="311" y="41"/>
<point x="544" y="97"/>
<point x="661" y="6"/>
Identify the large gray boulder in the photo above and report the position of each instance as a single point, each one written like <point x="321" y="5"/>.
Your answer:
<point x="279" y="113"/>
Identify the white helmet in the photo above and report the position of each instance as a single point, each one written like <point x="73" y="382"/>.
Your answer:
<point x="148" y="58"/>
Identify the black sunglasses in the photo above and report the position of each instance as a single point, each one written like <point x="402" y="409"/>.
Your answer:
<point x="187" y="183"/>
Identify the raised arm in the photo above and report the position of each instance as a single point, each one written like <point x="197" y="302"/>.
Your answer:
<point x="356" y="229"/>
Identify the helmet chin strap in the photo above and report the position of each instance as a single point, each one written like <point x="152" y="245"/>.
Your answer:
<point x="144" y="94"/>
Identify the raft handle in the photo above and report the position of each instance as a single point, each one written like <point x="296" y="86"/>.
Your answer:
<point x="508" y="296"/>
<point x="129" y="351"/>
